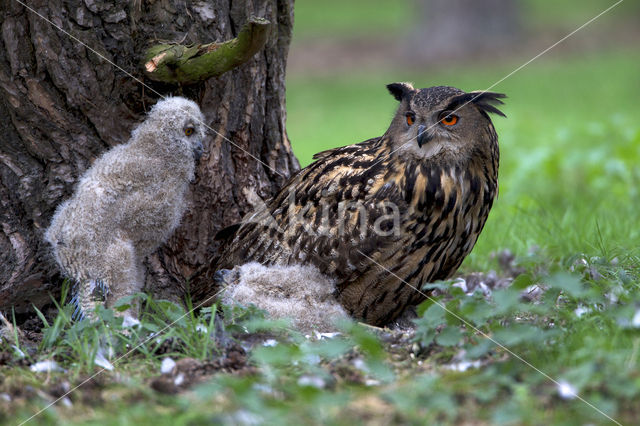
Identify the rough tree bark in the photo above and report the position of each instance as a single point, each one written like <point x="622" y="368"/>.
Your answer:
<point x="61" y="106"/>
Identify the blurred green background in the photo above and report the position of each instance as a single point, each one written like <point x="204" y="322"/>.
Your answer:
<point x="570" y="145"/>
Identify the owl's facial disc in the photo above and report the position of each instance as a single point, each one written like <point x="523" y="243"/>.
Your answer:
<point x="432" y="133"/>
<point x="441" y="121"/>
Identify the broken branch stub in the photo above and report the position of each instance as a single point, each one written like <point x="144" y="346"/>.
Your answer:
<point x="178" y="64"/>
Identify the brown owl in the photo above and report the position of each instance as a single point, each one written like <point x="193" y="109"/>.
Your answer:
<point x="408" y="204"/>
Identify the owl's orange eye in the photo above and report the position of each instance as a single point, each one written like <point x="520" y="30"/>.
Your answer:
<point x="189" y="131"/>
<point x="411" y="118"/>
<point x="448" y="119"/>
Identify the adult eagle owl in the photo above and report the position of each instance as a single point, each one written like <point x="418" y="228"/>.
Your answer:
<point x="408" y="204"/>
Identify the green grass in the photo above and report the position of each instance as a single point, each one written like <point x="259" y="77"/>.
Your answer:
<point x="299" y="380"/>
<point x="358" y="18"/>
<point x="362" y="18"/>
<point x="542" y="15"/>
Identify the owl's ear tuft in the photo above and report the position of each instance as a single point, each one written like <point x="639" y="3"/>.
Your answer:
<point x="486" y="101"/>
<point x="400" y="90"/>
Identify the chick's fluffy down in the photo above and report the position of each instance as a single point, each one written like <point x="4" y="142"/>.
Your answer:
<point x="300" y="293"/>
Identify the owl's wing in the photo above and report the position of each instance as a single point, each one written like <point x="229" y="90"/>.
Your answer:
<point x="365" y="229"/>
<point x="340" y="150"/>
<point x="339" y="213"/>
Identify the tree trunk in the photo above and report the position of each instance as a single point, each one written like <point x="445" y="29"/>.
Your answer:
<point x="61" y="106"/>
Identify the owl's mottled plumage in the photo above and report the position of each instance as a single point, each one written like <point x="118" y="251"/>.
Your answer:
<point x="413" y="200"/>
<point x="127" y="204"/>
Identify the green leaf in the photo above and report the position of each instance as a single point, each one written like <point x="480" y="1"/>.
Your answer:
<point x="477" y="310"/>
<point x="380" y="370"/>
<point x="433" y="317"/>
<point x="329" y="348"/>
<point x="425" y="337"/>
<point x="522" y="281"/>
<point x="254" y="325"/>
<point x="480" y="349"/>
<point x="280" y="354"/>
<point x="519" y="333"/>
<point x="506" y="300"/>
<point x="427" y="323"/>
<point x="365" y="340"/>
<point x="507" y="413"/>
<point x="449" y="336"/>
<point x="452" y="311"/>
<point x="568" y="283"/>
<point x="422" y="307"/>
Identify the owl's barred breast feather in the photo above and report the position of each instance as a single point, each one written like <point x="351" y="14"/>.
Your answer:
<point x="368" y="213"/>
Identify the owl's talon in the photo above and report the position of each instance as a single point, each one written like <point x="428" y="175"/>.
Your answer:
<point x="88" y="295"/>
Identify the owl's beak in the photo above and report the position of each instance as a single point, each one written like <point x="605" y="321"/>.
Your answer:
<point x="423" y="135"/>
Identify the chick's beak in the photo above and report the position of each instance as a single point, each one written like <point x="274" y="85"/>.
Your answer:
<point x="197" y="150"/>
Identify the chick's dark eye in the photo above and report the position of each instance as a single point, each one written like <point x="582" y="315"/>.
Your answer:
<point x="411" y="118"/>
<point x="448" y="119"/>
<point x="189" y="131"/>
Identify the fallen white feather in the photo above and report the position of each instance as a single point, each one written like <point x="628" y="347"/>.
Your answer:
<point x="360" y="365"/>
<point x="566" y="390"/>
<point x="130" y="321"/>
<point x="102" y="361"/>
<point x="45" y="367"/>
<point x="461" y="283"/>
<point x="179" y="379"/>
<point x="312" y="381"/>
<point x="167" y="365"/>
<point x="321" y="336"/>
<point x="463" y="365"/>
<point x="18" y="351"/>
<point x="581" y="310"/>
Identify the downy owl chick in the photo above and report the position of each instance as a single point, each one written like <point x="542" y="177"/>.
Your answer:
<point x="297" y="292"/>
<point x="127" y="204"/>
